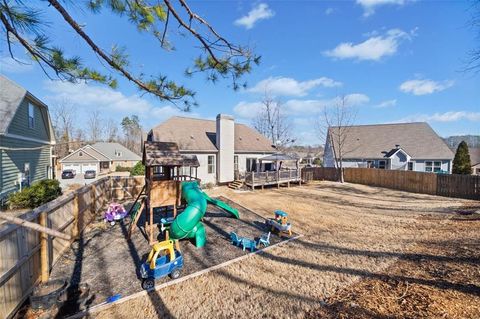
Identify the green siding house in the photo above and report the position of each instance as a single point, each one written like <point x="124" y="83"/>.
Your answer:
<point x="26" y="138"/>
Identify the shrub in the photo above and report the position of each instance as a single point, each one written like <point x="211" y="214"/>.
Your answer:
<point x="138" y="170"/>
<point x="37" y="194"/>
<point x="461" y="162"/>
<point x="317" y="161"/>
<point x="122" y="169"/>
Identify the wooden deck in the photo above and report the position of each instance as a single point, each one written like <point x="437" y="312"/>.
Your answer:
<point x="261" y="179"/>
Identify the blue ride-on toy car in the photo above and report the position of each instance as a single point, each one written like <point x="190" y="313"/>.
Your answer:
<point x="170" y="263"/>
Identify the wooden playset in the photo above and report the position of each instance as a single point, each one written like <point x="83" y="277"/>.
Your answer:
<point x="165" y="170"/>
<point x="167" y="187"/>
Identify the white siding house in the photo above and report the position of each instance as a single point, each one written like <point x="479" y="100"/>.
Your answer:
<point x="224" y="149"/>
<point x="403" y="146"/>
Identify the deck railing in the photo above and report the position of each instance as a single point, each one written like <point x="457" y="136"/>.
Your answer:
<point x="272" y="177"/>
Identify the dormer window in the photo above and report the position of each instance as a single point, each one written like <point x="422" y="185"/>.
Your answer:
<point x="31" y="116"/>
<point x="118" y="154"/>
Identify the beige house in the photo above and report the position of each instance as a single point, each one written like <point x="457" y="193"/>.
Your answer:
<point x="475" y="160"/>
<point x="225" y="149"/>
<point x="101" y="157"/>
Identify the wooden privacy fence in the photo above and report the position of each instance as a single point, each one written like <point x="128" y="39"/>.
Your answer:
<point x="22" y="249"/>
<point x="461" y="186"/>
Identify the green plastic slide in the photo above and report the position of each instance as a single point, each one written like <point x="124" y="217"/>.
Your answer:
<point x="188" y="223"/>
<point x="222" y="205"/>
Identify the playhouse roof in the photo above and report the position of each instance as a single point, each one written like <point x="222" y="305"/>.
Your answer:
<point x="166" y="154"/>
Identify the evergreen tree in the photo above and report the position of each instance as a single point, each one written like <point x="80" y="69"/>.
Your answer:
<point x="461" y="162"/>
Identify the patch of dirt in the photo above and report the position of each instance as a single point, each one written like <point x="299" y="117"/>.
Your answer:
<point x="358" y="240"/>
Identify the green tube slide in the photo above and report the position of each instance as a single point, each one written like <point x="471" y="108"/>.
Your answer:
<point x="188" y="223"/>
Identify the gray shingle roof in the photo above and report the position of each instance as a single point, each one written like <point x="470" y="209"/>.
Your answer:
<point x="474" y="156"/>
<point x="11" y="95"/>
<point x="419" y="140"/>
<point x="111" y="150"/>
<point x="193" y="134"/>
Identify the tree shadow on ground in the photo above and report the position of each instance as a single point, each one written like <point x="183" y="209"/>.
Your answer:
<point x="383" y="254"/>
<point x="440" y="283"/>
<point x="339" y="201"/>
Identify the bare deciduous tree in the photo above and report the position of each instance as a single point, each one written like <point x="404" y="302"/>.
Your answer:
<point x="111" y="131"/>
<point x="272" y="122"/>
<point x="334" y="126"/>
<point x="63" y="115"/>
<point x="79" y="135"/>
<point x="473" y="64"/>
<point x="95" y="126"/>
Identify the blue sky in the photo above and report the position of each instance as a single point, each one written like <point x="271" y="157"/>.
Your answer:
<point x="394" y="60"/>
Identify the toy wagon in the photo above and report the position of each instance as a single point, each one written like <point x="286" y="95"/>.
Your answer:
<point x="114" y="213"/>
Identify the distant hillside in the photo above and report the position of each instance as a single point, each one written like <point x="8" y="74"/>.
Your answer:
<point x="471" y="140"/>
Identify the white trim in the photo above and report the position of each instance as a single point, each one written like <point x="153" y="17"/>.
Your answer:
<point x="27" y="139"/>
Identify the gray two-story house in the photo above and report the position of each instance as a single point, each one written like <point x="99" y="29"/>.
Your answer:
<point x="26" y="138"/>
<point x="402" y="146"/>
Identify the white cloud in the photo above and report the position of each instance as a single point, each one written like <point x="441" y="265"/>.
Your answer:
<point x="374" y="48"/>
<point x="260" y="12"/>
<point x="329" y="11"/>
<point x="112" y="104"/>
<point x="426" y="86"/>
<point x="304" y="107"/>
<point x="387" y="103"/>
<point x="9" y="65"/>
<point x="369" y="6"/>
<point x="247" y="110"/>
<point x="451" y="116"/>
<point x="291" y="87"/>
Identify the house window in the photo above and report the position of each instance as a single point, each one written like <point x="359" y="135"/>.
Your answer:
<point x="382" y="164"/>
<point x="31" y="116"/>
<point x="370" y="164"/>
<point x="478" y="171"/>
<point x="118" y="154"/>
<point x="235" y="162"/>
<point x="433" y="166"/>
<point x="251" y="164"/>
<point x="80" y="154"/>
<point x="211" y="164"/>
<point x="410" y="166"/>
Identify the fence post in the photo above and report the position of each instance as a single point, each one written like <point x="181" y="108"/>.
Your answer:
<point x="75" y="225"/>
<point x="94" y="196"/>
<point x="44" y="263"/>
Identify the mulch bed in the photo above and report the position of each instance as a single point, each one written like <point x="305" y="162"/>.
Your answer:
<point x="108" y="263"/>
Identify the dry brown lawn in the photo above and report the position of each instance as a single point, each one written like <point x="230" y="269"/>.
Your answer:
<point x="366" y="252"/>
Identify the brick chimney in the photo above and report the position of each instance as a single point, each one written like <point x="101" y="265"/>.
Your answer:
<point x="225" y="139"/>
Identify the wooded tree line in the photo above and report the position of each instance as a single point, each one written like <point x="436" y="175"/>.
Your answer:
<point x="72" y="134"/>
